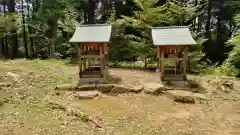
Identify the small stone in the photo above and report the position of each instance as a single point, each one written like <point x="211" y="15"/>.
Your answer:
<point x="87" y="87"/>
<point x="85" y="95"/>
<point x="65" y="87"/>
<point x="136" y="89"/>
<point x="105" y="88"/>
<point x="153" y="88"/>
<point x="119" y="89"/>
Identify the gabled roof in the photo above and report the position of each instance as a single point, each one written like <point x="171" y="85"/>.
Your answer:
<point x="173" y="35"/>
<point x="100" y="33"/>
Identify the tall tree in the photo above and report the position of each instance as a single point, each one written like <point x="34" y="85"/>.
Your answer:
<point x="25" y="42"/>
<point x="14" y="36"/>
<point x="209" y="16"/>
<point x="5" y="44"/>
<point x="91" y="11"/>
<point x="2" y="24"/>
<point x="135" y="30"/>
<point x="30" y="28"/>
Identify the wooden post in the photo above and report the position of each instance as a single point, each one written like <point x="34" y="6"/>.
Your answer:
<point x="158" y="56"/>
<point x="89" y="63"/>
<point x="105" y="54"/>
<point x="87" y="47"/>
<point x="101" y="59"/>
<point x="79" y="60"/>
<point x="106" y="60"/>
<point x="162" y="62"/>
<point x="185" y="61"/>
<point x="84" y="64"/>
<point x="158" y="71"/>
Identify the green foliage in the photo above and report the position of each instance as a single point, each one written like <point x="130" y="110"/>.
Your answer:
<point x="8" y="23"/>
<point x="134" y="39"/>
<point x="195" y="62"/>
<point x="232" y="64"/>
<point x="49" y="24"/>
<point x="2" y="25"/>
<point x="57" y="16"/>
<point x="220" y="30"/>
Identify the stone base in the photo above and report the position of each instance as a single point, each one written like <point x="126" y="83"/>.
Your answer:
<point x="91" y="81"/>
<point x="173" y="78"/>
<point x="186" y="96"/>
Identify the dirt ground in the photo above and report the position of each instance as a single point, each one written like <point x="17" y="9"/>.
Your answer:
<point x="25" y="109"/>
<point x="131" y="77"/>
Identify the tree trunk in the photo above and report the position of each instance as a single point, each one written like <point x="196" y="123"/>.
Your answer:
<point x="5" y="47"/>
<point x="5" y="39"/>
<point x="6" y="50"/>
<point x="2" y="44"/>
<point x="209" y="16"/>
<point x="85" y="15"/>
<point x="54" y="37"/>
<point x="36" y="48"/>
<point x="91" y="11"/>
<point x="2" y="39"/>
<point x="2" y="47"/>
<point x="52" y="34"/>
<point x="145" y="62"/>
<point x="230" y="27"/>
<point x="14" y="36"/>
<point x="24" y="32"/>
<point x="219" y="46"/>
<point x="30" y="32"/>
<point x="195" y="20"/>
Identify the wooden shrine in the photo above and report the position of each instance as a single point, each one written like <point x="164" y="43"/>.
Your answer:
<point x="172" y="51"/>
<point x="92" y="45"/>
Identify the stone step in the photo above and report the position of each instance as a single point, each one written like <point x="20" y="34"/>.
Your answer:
<point x="86" y="95"/>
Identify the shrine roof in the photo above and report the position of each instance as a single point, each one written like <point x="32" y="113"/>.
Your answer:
<point x="173" y="35"/>
<point x="98" y="33"/>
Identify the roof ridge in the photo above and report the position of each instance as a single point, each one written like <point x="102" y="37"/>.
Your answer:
<point x="86" y="25"/>
<point x="169" y="27"/>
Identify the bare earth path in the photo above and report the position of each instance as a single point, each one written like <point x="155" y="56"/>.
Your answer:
<point x="132" y="77"/>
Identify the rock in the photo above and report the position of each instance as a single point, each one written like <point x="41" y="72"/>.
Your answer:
<point x="14" y="76"/>
<point x="65" y="87"/>
<point x="105" y="88"/>
<point x="85" y="95"/>
<point x="153" y="88"/>
<point x="87" y="87"/>
<point x="136" y="89"/>
<point x="96" y="121"/>
<point x="227" y="84"/>
<point x="119" y="89"/>
<point x="186" y="96"/>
